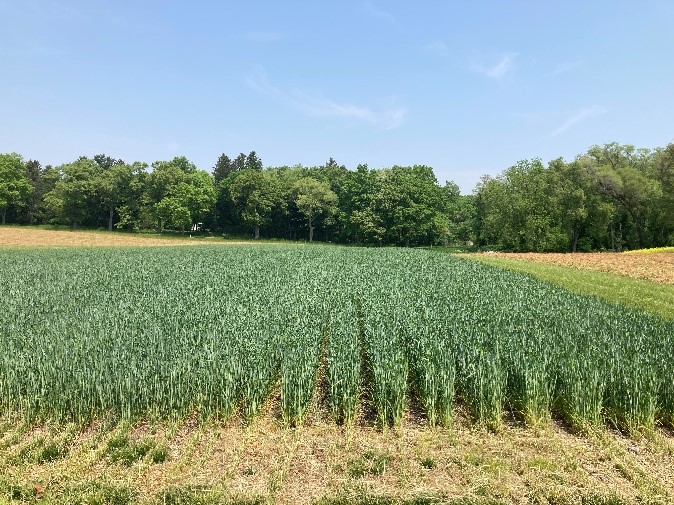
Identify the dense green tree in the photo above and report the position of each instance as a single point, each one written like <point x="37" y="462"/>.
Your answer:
<point x="239" y="163"/>
<point x="179" y="194"/>
<point x="662" y="170"/>
<point x="362" y="221"/>
<point x="223" y="167"/>
<point x="119" y="189"/>
<point x="255" y="195"/>
<point x="199" y="194"/>
<point x="253" y="162"/>
<point x="164" y="178"/>
<point x="132" y="204"/>
<point x="73" y="197"/>
<point x="461" y="214"/>
<point x="621" y="173"/>
<point x="172" y="212"/>
<point x="314" y="199"/>
<point x="34" y="172"/>
<point x="413" y="208"/>
<point x="15" y="187"/>
<point x="520" y="210"/>
<point x="105" y="162"/>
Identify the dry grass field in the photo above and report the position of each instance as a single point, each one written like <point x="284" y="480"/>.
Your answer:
<point x="656" y="267"/>
<point x="268" y="462"/>
<point x="14" y="236"/>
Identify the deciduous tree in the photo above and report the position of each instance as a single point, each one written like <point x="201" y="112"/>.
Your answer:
<point x="15" y="187"/>
<point x="314" y="199"/>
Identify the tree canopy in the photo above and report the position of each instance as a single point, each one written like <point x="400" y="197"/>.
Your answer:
<point x="611" y="197"/>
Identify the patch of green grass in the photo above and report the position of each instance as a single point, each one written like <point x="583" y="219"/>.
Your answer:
<point x="428" y="463"/>
<point x="188" y="495"/>
<point x="595" y="499"/>
<point x="371" y="462"/>
<point x="120" y="449"/>
<point x="98" y="493"/>
<point x="542" y="463"/>
<point x="640" y="294"/>
<point x="202" y="495"/>
<point x="41" y="450"/>
<point x="159" y="454"/>
<point x="50" y="452"/>
<point x="360" y="497"/>
<point x="91" y="493"/>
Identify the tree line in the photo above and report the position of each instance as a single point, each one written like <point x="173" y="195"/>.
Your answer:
<point x="612" y="197"/>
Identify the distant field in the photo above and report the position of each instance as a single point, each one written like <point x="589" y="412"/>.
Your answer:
<point x="655" y="266"/>
<point x="23" y="236"/>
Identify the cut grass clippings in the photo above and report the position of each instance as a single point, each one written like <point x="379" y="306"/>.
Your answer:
<point x="649" y="296"/>
<point x="320" y="463"/>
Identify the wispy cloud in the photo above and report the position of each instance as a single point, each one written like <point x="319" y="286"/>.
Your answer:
<point x="376" y="12"/>
<point x="437" y="46"/>
<point x="317" y="105"/>
<point x="502" y="67"/>
<point x="498" y="70"/>
<point x="564" y="67"/>
<point x="263" y="36"/>
<point x="578" y="117"/>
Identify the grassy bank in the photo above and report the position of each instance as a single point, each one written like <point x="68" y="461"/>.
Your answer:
<point x="641" y="294"/>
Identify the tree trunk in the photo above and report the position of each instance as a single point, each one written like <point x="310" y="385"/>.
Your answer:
<point x="112" y="213"/>
<point x="620" y="237"/>
<point x="311" y="230"/>
<point x="574" y="239"/>
<point x="159" y="225"/>
<point x="257" y="231"/>
<point x="612" y="237"/>
<point x="4" y="216"/>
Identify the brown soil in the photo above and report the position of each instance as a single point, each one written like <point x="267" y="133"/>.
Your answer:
<point x="656" y="267"/>
<point x="11" y="236"/>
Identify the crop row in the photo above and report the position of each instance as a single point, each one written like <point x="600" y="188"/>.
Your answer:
<point x="214" y="330"/>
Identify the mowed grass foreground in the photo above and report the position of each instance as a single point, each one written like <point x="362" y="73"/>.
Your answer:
<point x="359" y="334"/>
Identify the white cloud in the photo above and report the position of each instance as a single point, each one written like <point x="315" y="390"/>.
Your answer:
<point x="578" y="117"/>
<point x="500" y="69"/>
<point x="317" y="105"/>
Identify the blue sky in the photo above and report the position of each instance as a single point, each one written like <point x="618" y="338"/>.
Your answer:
<point x="467" y="87"/>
